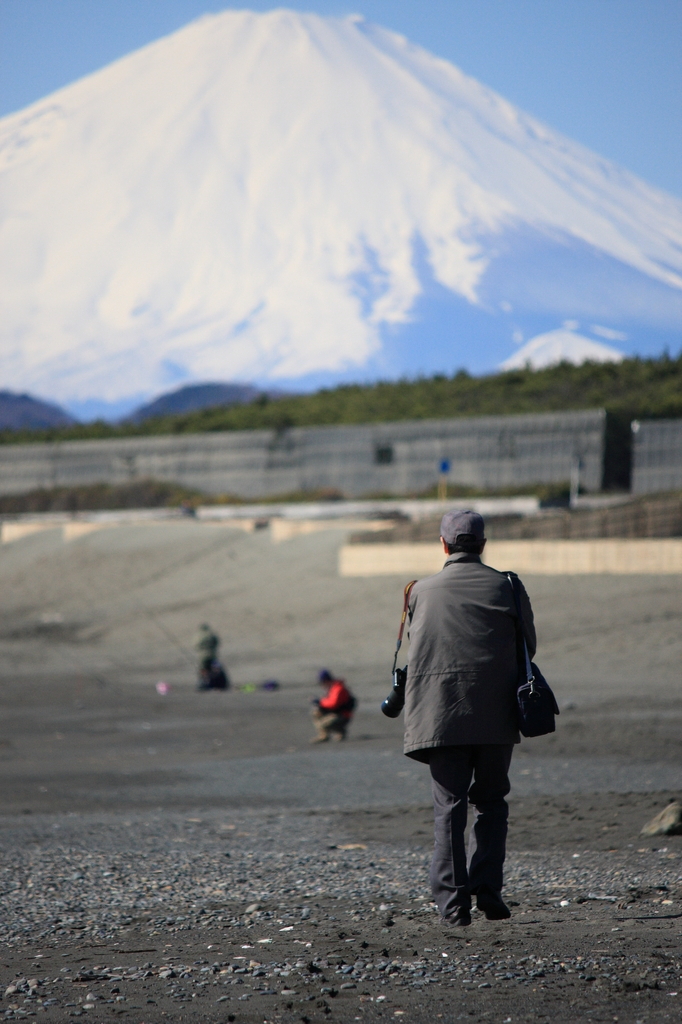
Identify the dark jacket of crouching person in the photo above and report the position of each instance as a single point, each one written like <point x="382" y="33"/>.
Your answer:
<point x="460" y="713"/>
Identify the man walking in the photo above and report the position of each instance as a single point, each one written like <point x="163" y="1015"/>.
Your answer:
<point x="460" y="713"/>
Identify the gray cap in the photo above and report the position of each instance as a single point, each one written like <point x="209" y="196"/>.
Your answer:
<point x="457" y="522"/>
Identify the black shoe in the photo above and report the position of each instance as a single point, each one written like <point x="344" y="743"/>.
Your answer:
<point x="490" y="902"/>
<point x="459" y="918"/>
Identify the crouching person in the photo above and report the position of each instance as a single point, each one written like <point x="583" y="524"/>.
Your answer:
<point x="333" y="712"/>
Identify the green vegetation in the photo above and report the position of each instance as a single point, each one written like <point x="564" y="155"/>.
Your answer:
<point x="635" y="388"/>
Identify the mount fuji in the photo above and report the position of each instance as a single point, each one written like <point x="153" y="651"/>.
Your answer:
<point x="299" y="200"/>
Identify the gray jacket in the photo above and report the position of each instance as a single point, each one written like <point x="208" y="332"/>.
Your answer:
<point x="462" y="665"/>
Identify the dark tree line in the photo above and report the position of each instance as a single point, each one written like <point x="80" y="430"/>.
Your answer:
<point x="633" y="389"/>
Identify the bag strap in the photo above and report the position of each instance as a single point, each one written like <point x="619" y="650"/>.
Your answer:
<point x="529" y="670"/>
<point x="406" y="600"/>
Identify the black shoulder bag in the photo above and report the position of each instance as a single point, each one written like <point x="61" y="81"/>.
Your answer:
<point x="535" y="702"/>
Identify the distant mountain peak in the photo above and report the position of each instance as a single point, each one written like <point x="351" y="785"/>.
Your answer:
<point x="560" y="346"/>
<point x="271" y="196"/>
<point x="23" y="412"/>
<point x="192" y="397"/>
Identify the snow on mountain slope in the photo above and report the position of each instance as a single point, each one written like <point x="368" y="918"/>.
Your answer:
<point x="560" y="346"/>
<point x="245" y="198"/>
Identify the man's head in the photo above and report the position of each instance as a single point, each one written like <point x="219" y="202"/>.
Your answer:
<point x="462" y="531"/>
<point x="325" y="677"/>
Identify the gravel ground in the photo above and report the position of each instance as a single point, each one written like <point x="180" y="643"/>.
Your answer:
<point x="288" y="917"/>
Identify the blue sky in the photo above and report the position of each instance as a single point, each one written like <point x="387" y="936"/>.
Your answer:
<point x="607" y="73"/>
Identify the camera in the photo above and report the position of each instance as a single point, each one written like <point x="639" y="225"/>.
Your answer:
<point x="395" y="702"/>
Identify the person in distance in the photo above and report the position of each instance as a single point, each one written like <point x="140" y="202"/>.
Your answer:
<point x="212" y="675"/>
<point x="460" y="713"/>
<point x="333" y="712"/>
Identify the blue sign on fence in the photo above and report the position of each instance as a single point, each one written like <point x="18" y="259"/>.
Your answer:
<point x="444" y="466"/>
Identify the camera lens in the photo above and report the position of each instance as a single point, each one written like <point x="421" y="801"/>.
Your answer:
<point x="395" y="701"/>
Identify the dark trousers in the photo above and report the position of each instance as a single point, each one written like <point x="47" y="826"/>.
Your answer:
<point x="452" y="771"/>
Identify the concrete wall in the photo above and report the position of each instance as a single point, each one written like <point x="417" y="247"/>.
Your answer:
<point x="534" y="557"/>
<point x="386" y="458"/>
<point x="656" y="456"/>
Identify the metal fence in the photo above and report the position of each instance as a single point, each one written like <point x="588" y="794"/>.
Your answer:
<point x="656" y="456"/>
<point x="488" y="453"/>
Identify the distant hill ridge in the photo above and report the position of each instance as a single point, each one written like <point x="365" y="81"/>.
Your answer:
<point x="193" y="397"/>
<point x="633" y="388"/>
<point x="23" y="412"/>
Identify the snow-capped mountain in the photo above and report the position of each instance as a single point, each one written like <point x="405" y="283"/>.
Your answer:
<point x="282" y="196"/>
<point x="563" y="345"/>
